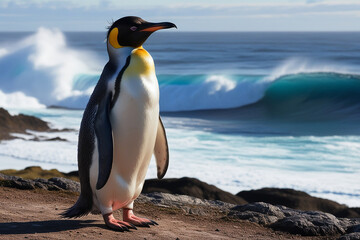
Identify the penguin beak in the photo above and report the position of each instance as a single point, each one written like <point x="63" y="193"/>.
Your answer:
<point x="152" y="27"/>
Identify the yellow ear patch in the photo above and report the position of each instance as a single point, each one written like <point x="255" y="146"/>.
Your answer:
<point x="113" y="38"/>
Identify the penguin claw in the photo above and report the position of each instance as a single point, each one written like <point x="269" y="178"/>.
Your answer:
<point x="153" y="222"/>
<point x="132" y="226"/>
<point x="117" y="225"/>
<point x="129" y="217"/>
<point x="145" y="225"/>
<point x="141" y="224"/>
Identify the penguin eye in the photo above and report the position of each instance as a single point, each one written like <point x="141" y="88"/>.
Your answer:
<point x="133" y="28"/>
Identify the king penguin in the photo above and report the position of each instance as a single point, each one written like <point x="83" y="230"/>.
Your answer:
<point x="121" y="128"/>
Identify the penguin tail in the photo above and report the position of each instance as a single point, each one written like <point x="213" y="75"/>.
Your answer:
<point x="82" y="207"/>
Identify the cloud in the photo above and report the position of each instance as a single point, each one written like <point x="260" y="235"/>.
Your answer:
<point x="314" y="1"/>
<point x="194" y="8"/>
<point x="257" y="9"/>
<point x="162" y="4"/>
<point x="49" y="3"/>
<point x="186" y="9"/>
<point x="94" y="14"/>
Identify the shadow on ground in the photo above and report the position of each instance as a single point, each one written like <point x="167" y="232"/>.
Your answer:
<point x="45" y="226"/>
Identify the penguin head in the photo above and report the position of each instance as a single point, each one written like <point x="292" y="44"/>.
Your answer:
<point x="132" y="31"/>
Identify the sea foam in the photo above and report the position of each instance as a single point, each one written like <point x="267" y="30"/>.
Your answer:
<point x="18" y="100"/>
<point x="43" y="66"/>
<point x="297" y="65"/>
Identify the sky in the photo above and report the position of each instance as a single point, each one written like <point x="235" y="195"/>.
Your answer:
<point x="188" y="15"/>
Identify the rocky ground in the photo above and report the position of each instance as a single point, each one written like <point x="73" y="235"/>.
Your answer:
<point x="32" y="212"/>
<point x="275" y="196"/>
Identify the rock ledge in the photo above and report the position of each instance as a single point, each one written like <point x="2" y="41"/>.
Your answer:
<point x="277" y="217"/>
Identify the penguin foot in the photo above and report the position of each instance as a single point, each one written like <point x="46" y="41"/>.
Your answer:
<point x="117" y="225"/>
<point x="128" y="216"/>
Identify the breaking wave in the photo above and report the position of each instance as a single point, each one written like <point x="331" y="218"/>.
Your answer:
<point x="42" y="70"/>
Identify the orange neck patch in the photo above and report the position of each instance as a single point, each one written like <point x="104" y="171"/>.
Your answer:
<point x="141" y="63"/>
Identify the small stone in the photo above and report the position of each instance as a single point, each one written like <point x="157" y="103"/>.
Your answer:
<point x="217" y="230"/>
<point x="351" y="236"/>
<point x="309" y="223"/>
<point x="65" y="184"/>
<point x="354" y="228"/>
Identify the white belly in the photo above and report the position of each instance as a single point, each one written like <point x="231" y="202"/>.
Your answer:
<point x="134" y="121"/>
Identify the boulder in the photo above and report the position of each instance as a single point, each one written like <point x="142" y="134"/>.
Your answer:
<point x="306" y="223"/>
<point x="65" y="184"/>
<point x="310" y="224"/>
<point x="298" y="200"/>
<point x="53" y="184"/>
<point x="19" y="124"/>
<point x="261" y="213"/>
<point x="191" y="187"/>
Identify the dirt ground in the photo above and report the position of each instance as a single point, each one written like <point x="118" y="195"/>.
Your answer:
<point x="34" y="214"/>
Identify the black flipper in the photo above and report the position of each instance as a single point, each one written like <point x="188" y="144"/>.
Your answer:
<point x="103" y="133"/>
<point x="161" y="151"/>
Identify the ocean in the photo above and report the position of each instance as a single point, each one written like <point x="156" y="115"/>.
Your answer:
<point x="242" y="110"/>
